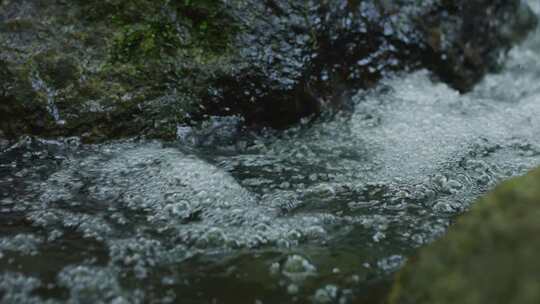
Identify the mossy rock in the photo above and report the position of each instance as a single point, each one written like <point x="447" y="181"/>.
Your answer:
<point x="110" y="68"/>
<point x="489" y="256"/>
<point x="57" y="69"/>
<point x="22" y="110"/>
<point x="121" y="68"/>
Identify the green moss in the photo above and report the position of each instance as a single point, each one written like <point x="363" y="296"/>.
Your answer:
<point x="114" y="68"/>
<point x="489" y="256"/>
<point x="145" y="30"/>
<point x="118" y="11"/>
<point x="22" y="110"/>
<point x="4" y="79"/>
<point x="57" y="69"/>
<point x="18" y="25"/>
<point x="208" y="22"/>
<point x="148" y="41"/>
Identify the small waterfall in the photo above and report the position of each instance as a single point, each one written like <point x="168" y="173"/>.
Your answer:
<point x="39" y="85"/>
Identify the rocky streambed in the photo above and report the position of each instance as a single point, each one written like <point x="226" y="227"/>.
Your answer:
<point x="324" y="212"/>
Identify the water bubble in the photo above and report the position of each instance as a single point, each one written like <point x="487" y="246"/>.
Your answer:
<point x="378" y="236"/>
<point x="293" y="289"/>
<point x="327" y="294"/>
<point x="391" y="263"/>
<point x="26" y="244"/>
<point x="298" y="268"/>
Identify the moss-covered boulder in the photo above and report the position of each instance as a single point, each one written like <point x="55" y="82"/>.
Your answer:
<point x="22" y="110"/>
<point x="107" y="69"/>
<point x="489" y="256"/>
<point x="116" y="68"/>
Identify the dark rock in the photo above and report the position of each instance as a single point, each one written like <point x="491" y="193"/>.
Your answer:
<point x="297" y="58"/>
<point x="118" y="68"/>
<point x="489" y="256"/>
<point x="466" y="39"/>
<point x="4" y="143"/>
<point x="21" y="109"/>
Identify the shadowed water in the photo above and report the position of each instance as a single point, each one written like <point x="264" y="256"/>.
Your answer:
<point x="323" y="213"/>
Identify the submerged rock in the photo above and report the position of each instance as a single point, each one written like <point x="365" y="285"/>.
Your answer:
<point x="489" y="255"/>
<point x="119" y="68"/>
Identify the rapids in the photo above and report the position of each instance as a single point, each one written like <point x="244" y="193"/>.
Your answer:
<point x="325" y="212"/>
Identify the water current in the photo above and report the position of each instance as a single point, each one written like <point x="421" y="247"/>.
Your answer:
<point x="325" y="212"/>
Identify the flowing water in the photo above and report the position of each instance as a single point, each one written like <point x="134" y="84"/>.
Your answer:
<point x="325" y="212"/>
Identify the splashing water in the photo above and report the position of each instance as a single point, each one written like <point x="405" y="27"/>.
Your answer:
<point x="38" y="84"/>
<point x="322" y="214"/>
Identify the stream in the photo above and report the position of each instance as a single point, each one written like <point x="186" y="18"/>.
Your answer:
<point x="325" y="212"/>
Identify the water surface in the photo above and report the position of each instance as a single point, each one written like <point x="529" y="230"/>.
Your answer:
<point x="323" y="213"/>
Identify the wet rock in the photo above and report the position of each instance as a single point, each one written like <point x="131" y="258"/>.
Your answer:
<point x="488" y="256"/>
<point x="114" y="69"/>
<point x="4" y="143"/>
<point x="21" y="109"/>
<point x="468" y="38"/>
<point x="301" y="58"/>
<point x="103" y="69"/>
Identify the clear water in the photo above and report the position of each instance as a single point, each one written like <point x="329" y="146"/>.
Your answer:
<point x="323" y="213"/>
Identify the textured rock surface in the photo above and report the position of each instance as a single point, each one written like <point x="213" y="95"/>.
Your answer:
<point x="104" y="69"/>
<point x="489" y="256"/>
<point x="117" y="68"/>
<point x="298" y="57"/>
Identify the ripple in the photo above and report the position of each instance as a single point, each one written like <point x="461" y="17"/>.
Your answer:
<point x="321" y="212"/>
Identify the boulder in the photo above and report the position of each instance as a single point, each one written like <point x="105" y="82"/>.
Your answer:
<point x="490" y="255"/>
<point x="109" y="69"/>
